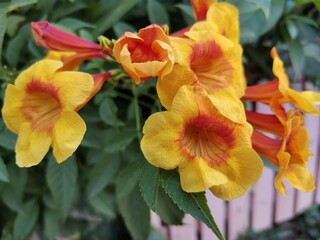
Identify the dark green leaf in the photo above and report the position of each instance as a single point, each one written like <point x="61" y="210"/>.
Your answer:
<point x="105" y="204"/>
<point x="3" y="172"/>
<point x="66" y="9"/>
<point x="157" y="13"/>
<point x="135" y="213"/>
<point x="149" y="184"/>
<point x="26" y="220"/>
<point x="108" y="113"/>
<point x="51" y="224"/>
<point x="292" y="28"/>
<point x="75" y="24"/>
<point x="119" y="141"/>
<point x="3" y="28"/>
<point x="103" y="173"/>
<point x="14" y="4"/>
<point x="297" y="57"/>
<point x="8" y="139"/>
<point x="13" y="24"/>
<point x="121" y="27"/>
<point x="62" y="182"/>
<point x="116" y="11"/>
<point x="168" y="211"/>
<point x="127" y="179"/>
<point x="194" y="204"/>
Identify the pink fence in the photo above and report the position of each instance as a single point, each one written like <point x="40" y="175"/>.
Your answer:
<point x="261" y="207"/>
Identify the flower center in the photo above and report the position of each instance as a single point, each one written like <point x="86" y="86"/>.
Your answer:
<point x="208" y="139"/>
<point x="41" y="105"/>
<point x="211" y="67"/>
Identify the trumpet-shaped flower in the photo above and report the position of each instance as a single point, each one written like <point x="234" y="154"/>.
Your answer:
<point x="40" y="108"/>
<point x="145" y="54"/>
<point x="278" y="91"/>
<point x="206" y="59"/>
<point x="208" y="148"/>
<point x="290" y="153"/>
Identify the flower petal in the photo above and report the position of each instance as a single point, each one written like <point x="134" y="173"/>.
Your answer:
<point x="67" y="134"/>
<point x="159" y="143"/>
<point x="73" y="87"/>
<point x="11" y="111"/>
<point x="31" y="146"/>
<point x="243" y="169"/>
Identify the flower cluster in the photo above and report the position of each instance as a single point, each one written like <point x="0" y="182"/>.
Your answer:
<point x="205" y="132"/>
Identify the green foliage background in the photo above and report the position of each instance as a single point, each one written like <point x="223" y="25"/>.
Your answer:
<point x="106" y="189"/>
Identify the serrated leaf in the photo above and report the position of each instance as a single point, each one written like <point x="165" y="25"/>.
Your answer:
<point x="4" y="176"/>
<point x="127" y="179"/>
<point x="26" y="220"/>
<point x="135" y="213"/>
<point x="62" y="182"/>
<point x="3" y="28"/>
<point x="157" y="13"/>
<point x="168" y="211"/>
<point x="51" y="224"/>
<point x="105" y="204"/>
<point x="108" y="113"/>
<point x="116" y="11"/>
<point x="194" y="204"/>
<point x="149" y="184"/>
<point x="103" y="173"/>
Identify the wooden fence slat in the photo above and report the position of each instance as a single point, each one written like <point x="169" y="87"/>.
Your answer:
<point x="284" y="209"/>
<point x="156" y="223"/>
<point x="218" y="210"/>
<point x="238" y="216"/>
<point x="188" y="230"/>
<point x="263" y="199"/>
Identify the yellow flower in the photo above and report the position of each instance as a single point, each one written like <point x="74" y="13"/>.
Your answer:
<point x="200" y="8"/>
<point x="145" y="54"/>
<point x="206" y="59"/>
<point x="40" y="108"/>
<point x="278" y="91"/>
<point x="208" y="148"/>
<point x="290" y="153"/>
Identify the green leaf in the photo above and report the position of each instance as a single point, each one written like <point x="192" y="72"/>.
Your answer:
<point x="8" y="139"/>
<point x="75" y="24"/>
<point x="103" y="173"/>
<point x="26" y="220"/>
<point x="127" y="179"/>
<point x="121" y="27"/>
<point x="3" y="27"/>
<point x="116" y="11"/>
<point x="194" y="204"/>
<point x="4" y="177"/>
<point x="157" y="13"/>
<point x="135" y="213"/>
<point x="105" y="204"/>
<point x="168" y="211"/>
<point x="13" y="24"/>
<point x="66" y="9"/>
<point x="62" y="182"/>
<point x="305" y="20"/>
<point x="292" y="28"/>
<point x="14" y="4"/>
<point x="108" y="113"/>
<point x="297" y="56"/>
<point x="116" y="142"/>
<point x="264" y="5"/>
<point x="149" y="184"/>
<point x="51" y="224"/>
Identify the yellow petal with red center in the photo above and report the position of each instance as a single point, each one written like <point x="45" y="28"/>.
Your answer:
<point x="67" y="134"/>
<point x="279" y="70"/>
<point x="41" y="71"/>
<point x="243" y="169"/>
<point x="31" y="146"/>
<point x="159" y="143"/>
<point x="196" y="175"/>
<point x="73" y="88"/>
<point x="226" y="17"/>
<point x="298" y="175"/>
<point x="11" y="110"/>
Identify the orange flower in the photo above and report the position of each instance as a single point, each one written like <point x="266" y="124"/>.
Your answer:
<point x="278" y="91"/>
<point x="206" y="59"/>
<point x="200" y="8"/>
<point x="41" y="108"/>
<point x="290" y="153"/>
<point x="208" y="148"/>
<point x="146" y="54"/>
